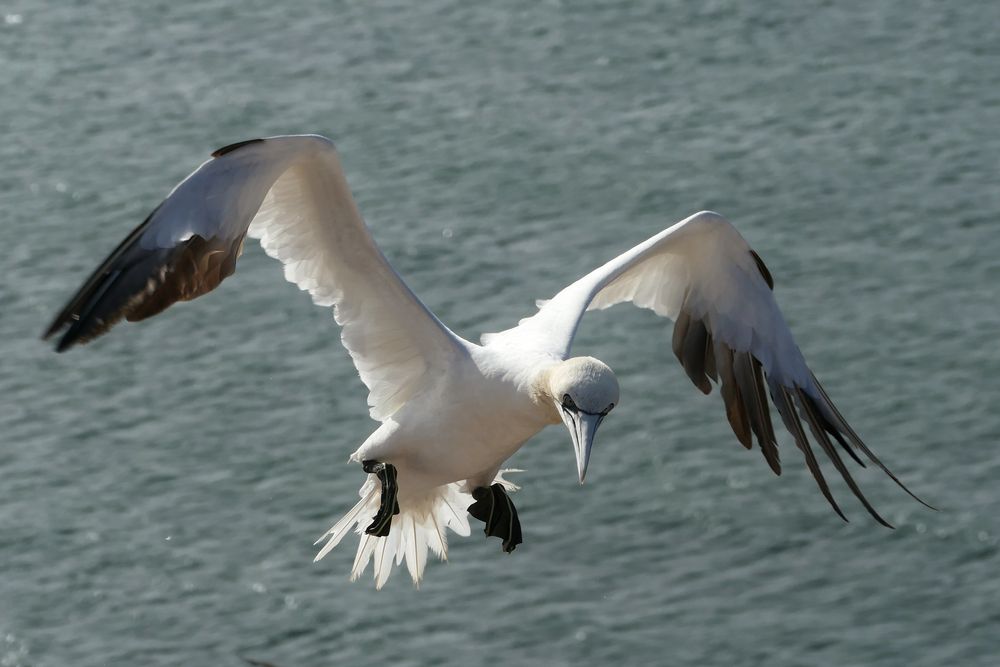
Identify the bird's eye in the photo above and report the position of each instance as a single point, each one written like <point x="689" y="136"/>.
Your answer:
<point x="608" y="409"/>
<point x="568" y="403"/>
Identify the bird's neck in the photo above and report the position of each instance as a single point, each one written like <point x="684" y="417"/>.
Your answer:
<point x="540" y="390"/>
<point x="522" y="377"/>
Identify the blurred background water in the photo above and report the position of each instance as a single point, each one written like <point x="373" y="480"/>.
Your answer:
<point x="162" y="488"/>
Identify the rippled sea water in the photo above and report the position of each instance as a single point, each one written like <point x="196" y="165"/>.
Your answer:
<point x="160" y="490"/>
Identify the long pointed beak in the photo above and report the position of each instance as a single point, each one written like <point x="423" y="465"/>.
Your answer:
<point x="582" y="427"/>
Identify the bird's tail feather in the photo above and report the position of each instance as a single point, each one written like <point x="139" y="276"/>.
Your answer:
<point x="420" y="525"/>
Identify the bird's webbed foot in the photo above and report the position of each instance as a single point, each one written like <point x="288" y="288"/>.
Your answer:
<point x="388" y="507"/>
<point x="494" y="508"/>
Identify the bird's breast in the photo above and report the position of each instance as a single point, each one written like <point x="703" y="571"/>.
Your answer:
<point x="475" y="426"/>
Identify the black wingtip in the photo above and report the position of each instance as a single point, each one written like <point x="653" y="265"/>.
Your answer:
<point x="56" y="327"/>
<point x="66" y="342"/>
<point x="232" y="147"/>
<point x="51" y="329"/>
<point x="856" y="440"/>
<point x="763" y="269"/>
<point x="884" y="522"/>
<point x="58" y="323"/>
<point x="905" y="489"/>
<point x="917" y="498"/>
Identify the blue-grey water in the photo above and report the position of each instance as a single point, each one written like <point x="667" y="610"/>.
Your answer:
<point x="160" y="490"/>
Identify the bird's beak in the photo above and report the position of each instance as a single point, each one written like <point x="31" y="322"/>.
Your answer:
<point x="582" y="427"/>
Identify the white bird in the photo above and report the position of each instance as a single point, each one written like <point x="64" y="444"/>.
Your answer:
<point x="451" y="411"/>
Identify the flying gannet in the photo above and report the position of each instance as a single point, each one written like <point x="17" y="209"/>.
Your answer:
<point x="452" y="412"/>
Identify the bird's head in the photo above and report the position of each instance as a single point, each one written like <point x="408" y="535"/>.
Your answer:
<point x="584" y="391"/>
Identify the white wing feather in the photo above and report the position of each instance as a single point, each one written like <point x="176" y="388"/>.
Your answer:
<point x="290" y="192"/>
<point x="309" y="221"/>
<point x="703" y="274"/>
<point x="702" y="264"/>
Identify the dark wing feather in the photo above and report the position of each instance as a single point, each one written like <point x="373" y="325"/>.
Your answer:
<point x="748" y="377"/>
<point x="743" y="381"/>
<point x="134" y="283"/>
<point x="729" y="329"/>
<point x="691" y="346"/>
<point x="787" y="411"/>
<point x="232" y="147"/>
<point x="70" y="312"/>
<point x="736" y="411"/>
<point x="808" y="410"/>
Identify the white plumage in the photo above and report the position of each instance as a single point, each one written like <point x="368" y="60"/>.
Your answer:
<point x="452" y="412"/>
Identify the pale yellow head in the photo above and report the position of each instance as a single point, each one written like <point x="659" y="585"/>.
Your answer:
<point x="584" y="390"/>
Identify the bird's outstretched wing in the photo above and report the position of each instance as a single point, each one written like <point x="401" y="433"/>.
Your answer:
<point x="728" y="329"/>
<point x="289" y="192"/>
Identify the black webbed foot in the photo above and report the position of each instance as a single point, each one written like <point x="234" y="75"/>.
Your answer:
<point x="494" y="508"/>
<point x="388" y="507"/>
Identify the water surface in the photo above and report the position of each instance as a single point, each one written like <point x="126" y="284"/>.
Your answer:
<point x="162" y="489"/>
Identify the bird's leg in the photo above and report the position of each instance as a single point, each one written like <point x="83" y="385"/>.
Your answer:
<point x="386" y="474"/>
<point x="494" y="508"/>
